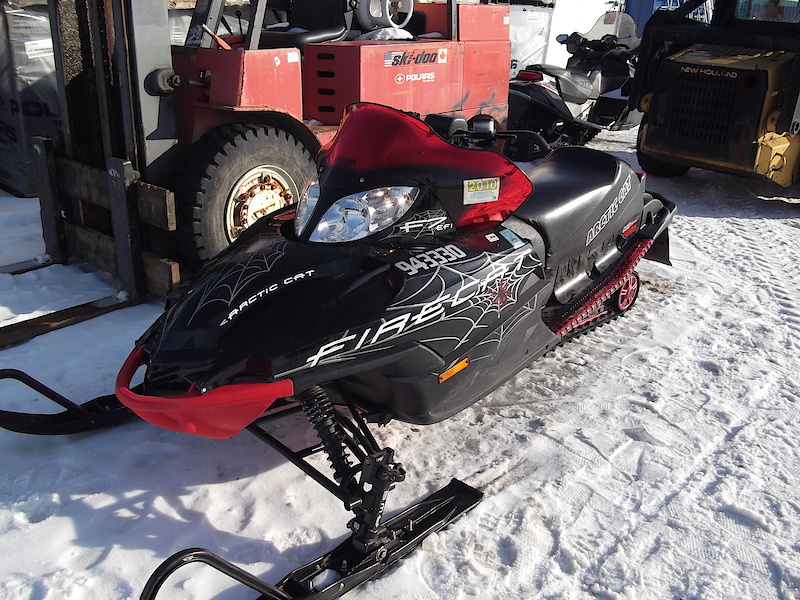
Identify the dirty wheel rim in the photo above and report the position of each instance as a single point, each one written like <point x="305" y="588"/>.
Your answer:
<point x="260" y="191"/>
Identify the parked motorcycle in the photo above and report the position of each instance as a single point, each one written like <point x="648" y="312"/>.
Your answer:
<point x="414" y="276"/>
<point x="569" y="106"/>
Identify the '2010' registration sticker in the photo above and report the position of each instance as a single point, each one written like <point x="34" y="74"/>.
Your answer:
<point x="478" y="191"/>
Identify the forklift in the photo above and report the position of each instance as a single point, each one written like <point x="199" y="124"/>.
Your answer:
<point x="168" y="152"/>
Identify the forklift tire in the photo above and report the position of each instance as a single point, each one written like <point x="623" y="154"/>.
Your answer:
<point x="654" y="166"/>
<point x="232" y="176"/>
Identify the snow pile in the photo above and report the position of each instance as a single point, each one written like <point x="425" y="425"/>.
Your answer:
<point x="21" y="228"/>
<point x="656" y="457"/>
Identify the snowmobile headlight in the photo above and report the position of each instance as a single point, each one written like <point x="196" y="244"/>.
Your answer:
<point x="358" y="215"/>
<point x="306" y="207"/>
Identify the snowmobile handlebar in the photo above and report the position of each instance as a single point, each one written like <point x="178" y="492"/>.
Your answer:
<point x="219" y="413"/>
<point x="479" y="139"/>
<point x="480" y="132"/>
<point x="577" y="44"/>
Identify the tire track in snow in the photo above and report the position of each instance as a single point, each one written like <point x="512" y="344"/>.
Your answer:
<point x="688" y="490"/>
<point x="775" y="280"/>
<point x="677" y="438"/>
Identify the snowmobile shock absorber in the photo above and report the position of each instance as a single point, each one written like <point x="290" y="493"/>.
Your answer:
<point x="319" y="411"/>
<point x="378" y="470"/>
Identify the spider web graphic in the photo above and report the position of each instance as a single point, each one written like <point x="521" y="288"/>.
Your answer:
<point x="489" y="346"/>
<point x="226" y="285"/>
<point x="483" y="302"/>
<point x="432" y="302"/>
<point x="440" y="302"/>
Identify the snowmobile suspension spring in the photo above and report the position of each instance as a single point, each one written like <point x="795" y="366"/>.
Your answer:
<point x="320" y="413"/>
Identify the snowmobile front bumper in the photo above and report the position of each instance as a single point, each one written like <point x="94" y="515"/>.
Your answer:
<point x="219" y="413"/>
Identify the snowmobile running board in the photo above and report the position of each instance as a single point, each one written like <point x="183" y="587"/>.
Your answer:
<point x="346" y="564"/>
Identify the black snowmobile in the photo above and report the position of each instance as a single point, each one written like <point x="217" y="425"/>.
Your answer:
<point x="415" y="275"/>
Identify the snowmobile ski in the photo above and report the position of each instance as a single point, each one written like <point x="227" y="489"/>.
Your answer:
<point x="98" y="413"/>
<point x="375" y="545"/>
<point x="346" y="566"/>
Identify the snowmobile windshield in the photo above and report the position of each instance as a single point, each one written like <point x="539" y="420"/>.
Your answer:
<point x="619" y="24"/>
<point x="373" y="137"/>
<point x="380" y="148"/>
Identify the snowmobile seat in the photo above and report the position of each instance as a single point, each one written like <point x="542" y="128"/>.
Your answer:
<point x="574" y="85"/>
<point x="567" y="186"/>
<point x="310" y="22"/>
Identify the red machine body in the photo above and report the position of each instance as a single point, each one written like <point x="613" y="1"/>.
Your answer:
<point x="462" y="76"/>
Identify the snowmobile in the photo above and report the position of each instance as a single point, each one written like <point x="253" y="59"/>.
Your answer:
<point x="418" y="272"/>
<point x="571" y="105"/>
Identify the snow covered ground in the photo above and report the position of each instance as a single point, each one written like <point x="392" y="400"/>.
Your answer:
<point x="657" y="457"/>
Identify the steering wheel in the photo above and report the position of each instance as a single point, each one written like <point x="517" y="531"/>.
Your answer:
<point x="384" y="13"/>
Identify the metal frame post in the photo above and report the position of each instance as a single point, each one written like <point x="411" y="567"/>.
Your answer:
<point x="125" y="223"/>
<point x="50" y="207"/>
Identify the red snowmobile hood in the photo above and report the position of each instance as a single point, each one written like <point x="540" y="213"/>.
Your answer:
<point x="375" y="141"/>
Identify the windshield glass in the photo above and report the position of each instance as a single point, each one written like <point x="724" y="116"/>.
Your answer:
<point x="782" y="11"/>
<point x="702" y="13"/>
<point x="615" y="23"/>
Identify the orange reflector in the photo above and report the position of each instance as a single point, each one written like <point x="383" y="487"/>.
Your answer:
<point x="456" y="368"/>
